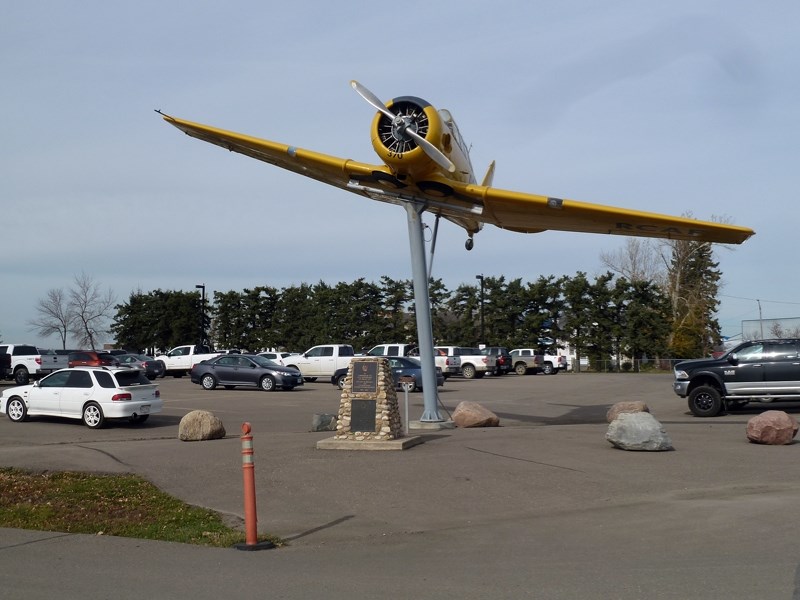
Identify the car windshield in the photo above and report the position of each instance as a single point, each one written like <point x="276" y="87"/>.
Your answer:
<point x="264" y="362"/>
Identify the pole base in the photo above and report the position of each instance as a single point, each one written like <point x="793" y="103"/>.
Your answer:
<point x="435" y="425"/>
<point x="253" y="547"/>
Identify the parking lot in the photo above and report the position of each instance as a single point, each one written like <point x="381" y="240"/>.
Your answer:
<point x="541" y="507"/>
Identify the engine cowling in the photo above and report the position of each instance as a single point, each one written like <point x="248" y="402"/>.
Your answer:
<point x="400" y="152"/>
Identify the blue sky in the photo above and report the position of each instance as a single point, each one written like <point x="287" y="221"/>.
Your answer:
<point x="666" y="107"/>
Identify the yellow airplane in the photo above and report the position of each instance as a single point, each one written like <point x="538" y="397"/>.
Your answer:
<point x="426" y="167"/>
<point x="426" y="161"/>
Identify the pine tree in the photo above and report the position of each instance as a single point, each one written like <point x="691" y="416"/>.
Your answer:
<point x="694" y="278"/>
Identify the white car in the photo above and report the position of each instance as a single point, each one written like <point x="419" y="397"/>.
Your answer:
<point x="92" y="394"/>
<point x="276" y="357"/>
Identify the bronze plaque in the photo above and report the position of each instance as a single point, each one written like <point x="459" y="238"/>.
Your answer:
<point x="362" y="415"/>
<point x="365" y="377"/>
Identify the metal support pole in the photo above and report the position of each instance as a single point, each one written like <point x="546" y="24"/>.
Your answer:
<point x="406" y="382"/>
<point x="422" y="306"/>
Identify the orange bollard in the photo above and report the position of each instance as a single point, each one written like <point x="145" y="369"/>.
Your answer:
<point x="249" y="474"/>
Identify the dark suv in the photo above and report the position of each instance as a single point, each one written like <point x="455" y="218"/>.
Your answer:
<point x="503" y="364"/>
<point x="754" y="371"/>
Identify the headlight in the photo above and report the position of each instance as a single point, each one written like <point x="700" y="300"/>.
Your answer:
<point x="681" y="374"/>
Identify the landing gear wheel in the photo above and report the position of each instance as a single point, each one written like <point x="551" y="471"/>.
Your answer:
<point x="469" y="244"/>
<point x="267" y="383"/>
<point x="705" y="401"/>
<point x="17" y="410"/>
<point x="93" y="416"/>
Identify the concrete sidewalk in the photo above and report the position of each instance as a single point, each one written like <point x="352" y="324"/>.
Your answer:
<point x="542" y="507"/>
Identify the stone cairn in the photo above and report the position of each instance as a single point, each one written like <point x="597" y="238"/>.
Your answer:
<point x="388" y="425"/>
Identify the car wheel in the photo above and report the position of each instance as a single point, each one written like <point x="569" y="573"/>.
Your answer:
<point x="705" y="401"/>
<point x="547" y="369"/>
<point x="93" y="416"/>
<point x="468" y="371"/>
<point x="21" y="376"/>
<point x="340" y="381"/>
<point x="521" y="369"/>
<point x="138" y="419"/>
<point x="17" y="410"/>
<point x="267" y="383"/>
<point x="208" y="382"/>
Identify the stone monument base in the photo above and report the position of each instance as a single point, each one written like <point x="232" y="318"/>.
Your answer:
<point x="396" y="444"/>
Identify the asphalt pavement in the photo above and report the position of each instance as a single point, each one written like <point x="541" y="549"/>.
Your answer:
<point x="541" y="507"/>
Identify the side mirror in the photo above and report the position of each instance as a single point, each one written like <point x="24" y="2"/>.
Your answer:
<point x="733" y="358"/>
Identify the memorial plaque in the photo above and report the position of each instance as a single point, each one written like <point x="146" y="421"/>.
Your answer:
<point x="362" y="415"/>
<point x="365" y="377"/>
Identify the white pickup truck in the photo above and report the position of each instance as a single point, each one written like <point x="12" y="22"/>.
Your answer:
<point x="28" y="362"/>
<point x="450" y="365"/>
<point x="534" y="360"/>
<point x="474" y="363"/>
<point x="321" y="361"/>
<point x="180" y="360"/>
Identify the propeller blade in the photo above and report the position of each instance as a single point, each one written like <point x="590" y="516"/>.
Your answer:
<point x="372" y="99"/>
<point x="432" y="151"/>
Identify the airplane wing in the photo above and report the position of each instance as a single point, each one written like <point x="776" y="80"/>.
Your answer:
<point x="467" y="205"/>
<point x="530" y="213"/>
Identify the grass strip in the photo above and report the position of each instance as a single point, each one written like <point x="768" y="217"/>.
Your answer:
<point x="120" y="505"/>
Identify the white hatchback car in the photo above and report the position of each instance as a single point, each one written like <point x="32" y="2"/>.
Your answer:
<point x="92" y="394"/>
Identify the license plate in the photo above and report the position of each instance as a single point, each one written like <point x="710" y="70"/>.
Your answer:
<point x="144" y="409"/>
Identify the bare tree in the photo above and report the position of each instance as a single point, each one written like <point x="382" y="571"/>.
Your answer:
<point x="54" y="316"/>
<point x="91" y="309"/>
<point x="640" y="259"/>
<point x="777" y="330"/>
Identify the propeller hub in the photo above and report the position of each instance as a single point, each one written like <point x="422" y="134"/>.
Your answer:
<point x="400" y="125"/>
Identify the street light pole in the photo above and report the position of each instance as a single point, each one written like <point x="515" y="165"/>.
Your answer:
<point x="202" y="288"/>
<point x="480" y="278"/>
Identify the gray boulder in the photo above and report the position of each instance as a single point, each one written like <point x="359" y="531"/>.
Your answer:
<point x="638" y="431"/>
<point x="200" y="425"/>
<point x="323" y="422"/>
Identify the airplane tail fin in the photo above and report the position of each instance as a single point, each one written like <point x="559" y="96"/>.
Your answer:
<point x="487" y="179"/>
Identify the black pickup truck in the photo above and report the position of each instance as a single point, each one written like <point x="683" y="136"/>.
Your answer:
<point x="754" y="371"/>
